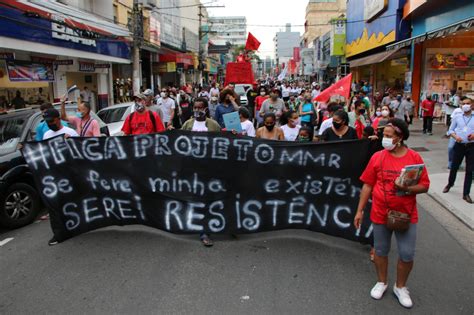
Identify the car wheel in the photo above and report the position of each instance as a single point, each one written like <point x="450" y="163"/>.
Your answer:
<point x="20" y="206"/>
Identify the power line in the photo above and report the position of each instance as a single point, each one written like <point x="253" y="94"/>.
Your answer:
<point x="187" y="6"/>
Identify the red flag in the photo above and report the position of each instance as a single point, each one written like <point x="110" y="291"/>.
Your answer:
<point x="252" y="43"/>
<point x="341" y="87"/>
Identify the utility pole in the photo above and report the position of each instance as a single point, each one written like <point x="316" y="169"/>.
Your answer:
<point x="137" y="31"/>
<point x="201" y="36"/>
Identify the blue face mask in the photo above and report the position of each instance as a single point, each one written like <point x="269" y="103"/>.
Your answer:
<point x="79" y="114"/>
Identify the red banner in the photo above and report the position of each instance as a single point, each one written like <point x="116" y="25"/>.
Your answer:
<point x="296" y="54"/>
<point x="252" y="43"/>
<point x="341" y="87"/>
<point x="239" y="72"/>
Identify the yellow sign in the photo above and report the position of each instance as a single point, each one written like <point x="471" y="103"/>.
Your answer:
<point x="364" y="43"/>
<point x="171" y="67"/>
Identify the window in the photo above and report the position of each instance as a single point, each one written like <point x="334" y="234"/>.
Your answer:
<point x="115" y="13"/>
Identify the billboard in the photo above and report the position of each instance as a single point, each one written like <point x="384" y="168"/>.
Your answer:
<point x="155" y="31"/>
<point x="25" y="71"/>
<point x="338" y="37"/>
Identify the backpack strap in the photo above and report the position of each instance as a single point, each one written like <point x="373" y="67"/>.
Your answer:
<point x="153" y="120"/>
<point x="130" y="121"/>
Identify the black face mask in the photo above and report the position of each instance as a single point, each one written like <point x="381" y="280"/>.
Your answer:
<point x="200" y="115"/>
<point x="337" y="125"/>
<point x="362" y="111"/>
<point x="270" y="127"/>
<point x="53" y="127"/>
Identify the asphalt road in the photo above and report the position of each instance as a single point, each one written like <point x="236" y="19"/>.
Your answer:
<point x="137" y="270"/>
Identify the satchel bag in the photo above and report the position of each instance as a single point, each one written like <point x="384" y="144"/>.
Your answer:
<point x="396" y="220"/>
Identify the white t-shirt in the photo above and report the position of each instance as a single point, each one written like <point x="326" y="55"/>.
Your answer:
<point x="247" y="128"/>
<point x="285" y="91"/>
<point x="290" y="133"/>
<point x="199" y="126"/>
<point x="325" y="125"/>
<point x="167" y="107"/>
<point x="315" y="93"/>
<point x="85" y="95"/>
<point x="214" y="91"/>
<point x="64" y="130"/>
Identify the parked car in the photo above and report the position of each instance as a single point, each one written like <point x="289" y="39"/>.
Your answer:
<point x="114" y="116"/>
<point x="20" y="202"/>
<point x="241" y="90"/>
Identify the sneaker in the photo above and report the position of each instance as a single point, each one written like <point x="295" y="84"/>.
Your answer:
<point x="403" y="296"/>
<point x="53" y="241"/>
<point x="378" y="290"/>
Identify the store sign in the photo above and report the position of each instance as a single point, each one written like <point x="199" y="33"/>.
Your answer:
<point x="155" y="31"/>
<point x="65" y="62"/>
<point x="399" y="62"/>
<point x="68" y="34"/>
<point x="338" y="37"/>
<point x="102" y="65"/>
<point x="7" y="56"/>
<point x="51" y="61"/>
<point x="373" y="8"/>
<point x="26" y="71"/>
<point x="86" y="66"/>
<point x="171" y="67"/>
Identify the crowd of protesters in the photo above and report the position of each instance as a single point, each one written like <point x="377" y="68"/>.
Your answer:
<point x="287" y="111"/>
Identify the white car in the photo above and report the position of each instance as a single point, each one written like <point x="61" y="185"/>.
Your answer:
<point x="242" y="89"/>
<point x="114" y="116"/>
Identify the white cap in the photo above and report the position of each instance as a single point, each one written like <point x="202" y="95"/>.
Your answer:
<point x="148" y="92"/>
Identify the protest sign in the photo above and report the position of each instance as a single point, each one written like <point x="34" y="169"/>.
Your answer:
<point x="188" y="182"/>
<point x="239" y="73"/>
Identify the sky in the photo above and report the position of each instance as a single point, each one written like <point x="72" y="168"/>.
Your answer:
<point x="263" y="12"/>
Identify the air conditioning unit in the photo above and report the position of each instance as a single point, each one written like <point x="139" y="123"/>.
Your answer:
<point x="149" y="4"/>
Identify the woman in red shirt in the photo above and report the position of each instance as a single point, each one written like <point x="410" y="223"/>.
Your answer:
<point x="379" y="183"/>
<point x="258" y="103"/>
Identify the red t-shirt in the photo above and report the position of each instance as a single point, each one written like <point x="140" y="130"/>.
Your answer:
<point x="259" y="101"/>
<point x="429" y="105"/>
<point x="392" y="167"/>
<point x="142" y="124"/>
<point x="359" y="127"/>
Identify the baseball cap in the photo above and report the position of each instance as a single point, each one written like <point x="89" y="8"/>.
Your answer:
<point x="50" y="114"/>
<point x="148" y="92"/>
<point x="140" y="96"/>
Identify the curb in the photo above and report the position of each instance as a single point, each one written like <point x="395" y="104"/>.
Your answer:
<point x="456" y="212"/>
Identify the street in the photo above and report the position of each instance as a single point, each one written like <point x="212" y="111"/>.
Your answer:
<point x="141" y="270"/>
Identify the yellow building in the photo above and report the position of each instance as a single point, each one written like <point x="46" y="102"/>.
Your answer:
<point x="318" y="15"/>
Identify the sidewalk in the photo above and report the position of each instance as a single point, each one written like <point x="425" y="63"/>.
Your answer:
<point x="434" y="150"/>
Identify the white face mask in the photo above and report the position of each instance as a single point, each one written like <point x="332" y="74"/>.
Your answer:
<point x="262" y="93"/>
<point x="387" y="143"/>
<point x="466" y="108"/>
<point x="213" y="99"/>
<point x="162" y="94"/>
<point x="378" y="113"/>
<point x="385" y="113"/>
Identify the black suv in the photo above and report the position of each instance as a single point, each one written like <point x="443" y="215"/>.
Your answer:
<point x="20" y="201"/>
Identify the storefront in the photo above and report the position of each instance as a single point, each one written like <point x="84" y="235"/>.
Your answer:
<point x="55" y="46"/>
<point x="442" y="46"/>
<point x="379" y="23"/>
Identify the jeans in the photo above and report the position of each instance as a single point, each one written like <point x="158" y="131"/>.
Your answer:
<point x="427" y="124"/>
<point x="451" y="151"/>
<point x="460" y="151"/>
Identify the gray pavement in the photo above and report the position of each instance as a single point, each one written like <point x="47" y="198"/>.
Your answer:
<point x="136" y="270"/>
<point x="434" y="150"/>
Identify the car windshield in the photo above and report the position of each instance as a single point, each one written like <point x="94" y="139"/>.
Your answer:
<point x="112" y="115"/>
<point x="11" y="127"/>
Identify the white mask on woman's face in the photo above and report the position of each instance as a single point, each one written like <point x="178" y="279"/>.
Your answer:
<point x="385" y="113"/>
<point x="388" y="144"/>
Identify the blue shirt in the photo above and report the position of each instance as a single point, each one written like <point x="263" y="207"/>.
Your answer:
<point x="43" y="127"/>
<point x="308" y="107"/>
<point x="221" y="110"/>
<point x="462" y="126"/>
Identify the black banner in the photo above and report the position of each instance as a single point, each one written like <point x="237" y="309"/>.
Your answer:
<point x="186" y="182"/>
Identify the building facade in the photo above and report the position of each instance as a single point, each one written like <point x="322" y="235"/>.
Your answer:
<point x="318" y="16"/>
<point x="285" y="42"/>
<point x="228" y="29"/>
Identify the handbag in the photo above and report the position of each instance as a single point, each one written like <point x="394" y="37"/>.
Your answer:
<point x="396" y="220"/>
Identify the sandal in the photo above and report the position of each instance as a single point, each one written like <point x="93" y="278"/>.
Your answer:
<point x="372" y="254"/>
<point x="206" y="241"/>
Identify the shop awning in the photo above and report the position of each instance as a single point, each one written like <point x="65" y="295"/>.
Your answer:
<point x="377" y="58"/>
<point x="72" y="17"/>
<point x="444" y="31"/>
